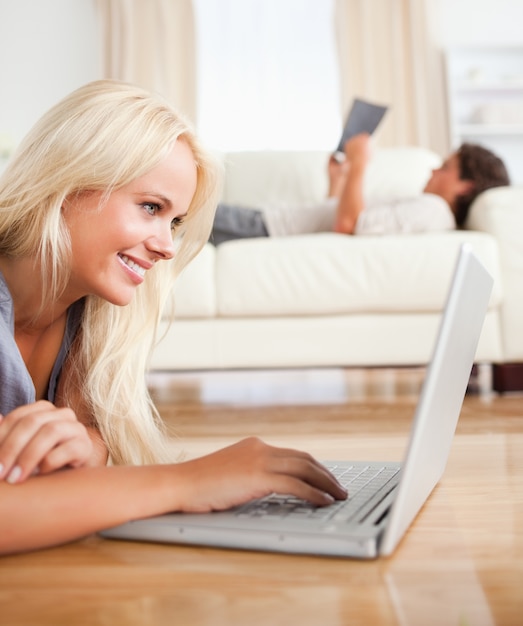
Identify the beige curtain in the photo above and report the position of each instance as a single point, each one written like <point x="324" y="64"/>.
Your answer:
<point x="151" y="43"/>
<point x="386" y="55"/>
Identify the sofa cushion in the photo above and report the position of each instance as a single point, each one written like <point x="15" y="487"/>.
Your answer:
<point x="195" y="290"/>
<point x="330" y="274"/>
<point x="399" y="172"/>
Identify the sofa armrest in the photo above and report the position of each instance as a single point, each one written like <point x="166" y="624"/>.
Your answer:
<point x="499" y="212"/>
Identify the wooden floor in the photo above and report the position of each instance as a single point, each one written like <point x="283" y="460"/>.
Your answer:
<point x="335" y="403"/>
<point x="460" y="563"/>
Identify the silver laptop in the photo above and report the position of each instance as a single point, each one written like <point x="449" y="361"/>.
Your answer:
<point x="384" y="498"/>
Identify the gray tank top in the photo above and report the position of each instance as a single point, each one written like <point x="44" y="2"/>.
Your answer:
<point x="16" y="385"/>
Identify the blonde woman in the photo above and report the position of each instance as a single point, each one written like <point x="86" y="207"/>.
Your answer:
<point x="106" y="200"/>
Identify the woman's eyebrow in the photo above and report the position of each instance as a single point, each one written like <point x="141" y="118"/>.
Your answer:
<point x="163" y="199"/>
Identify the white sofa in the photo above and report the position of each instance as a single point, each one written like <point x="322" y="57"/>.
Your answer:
<point x="335" y="300"/>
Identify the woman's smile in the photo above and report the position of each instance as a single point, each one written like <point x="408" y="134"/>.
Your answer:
<point x="137" y="270"/>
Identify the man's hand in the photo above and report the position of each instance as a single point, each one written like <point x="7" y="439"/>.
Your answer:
<point x="358" y="148"/>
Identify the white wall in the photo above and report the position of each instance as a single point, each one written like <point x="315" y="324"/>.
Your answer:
<point x="477" y="22"/>
<point x="49" y="47"/>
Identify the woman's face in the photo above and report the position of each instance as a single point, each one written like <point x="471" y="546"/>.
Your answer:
<point x="114" y="246"/>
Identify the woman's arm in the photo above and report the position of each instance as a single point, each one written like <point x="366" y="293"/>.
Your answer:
<point x="351" y="202"/>
<point x="51" y="509"/>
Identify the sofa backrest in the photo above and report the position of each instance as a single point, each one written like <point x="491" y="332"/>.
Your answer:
<point x="259" y="177"/>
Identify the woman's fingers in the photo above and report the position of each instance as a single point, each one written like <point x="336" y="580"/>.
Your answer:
<point x="289" y="485"/>
<point x="252" y="469"/>
<point x="308" y="471"/>
<point x="55" y="445"/>
<point x="299" y="471"/>
<point x="40" y="437"/>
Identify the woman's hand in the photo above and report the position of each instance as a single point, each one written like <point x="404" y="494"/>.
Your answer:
<point x="41" y="438"/>
<point x="252" y="469"/>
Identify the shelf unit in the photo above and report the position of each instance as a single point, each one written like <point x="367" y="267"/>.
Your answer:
<point x="485" y="101"/>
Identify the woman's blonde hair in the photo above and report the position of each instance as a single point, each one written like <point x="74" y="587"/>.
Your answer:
<point x="101" y="137"/>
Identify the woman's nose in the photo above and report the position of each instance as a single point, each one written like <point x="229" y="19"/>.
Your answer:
<point x="162" y="244"/>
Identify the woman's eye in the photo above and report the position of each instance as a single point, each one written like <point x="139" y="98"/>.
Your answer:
<point x="177" y="221"/>
<point x="151" y="208"/>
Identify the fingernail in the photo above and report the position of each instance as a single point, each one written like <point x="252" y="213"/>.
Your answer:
<point x="14" y="475"/>
<point x="1" y="469"/>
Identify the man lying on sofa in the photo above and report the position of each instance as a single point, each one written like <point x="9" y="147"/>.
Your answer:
<point x="443" y="205"/>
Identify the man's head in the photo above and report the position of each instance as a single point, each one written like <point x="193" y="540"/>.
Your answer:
<point x="464" y="175"/>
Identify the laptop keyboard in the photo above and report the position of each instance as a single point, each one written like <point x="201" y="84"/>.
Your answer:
<point x="361" y="482"/>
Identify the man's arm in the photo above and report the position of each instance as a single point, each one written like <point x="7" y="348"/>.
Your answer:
<point x="351" y="202"/>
